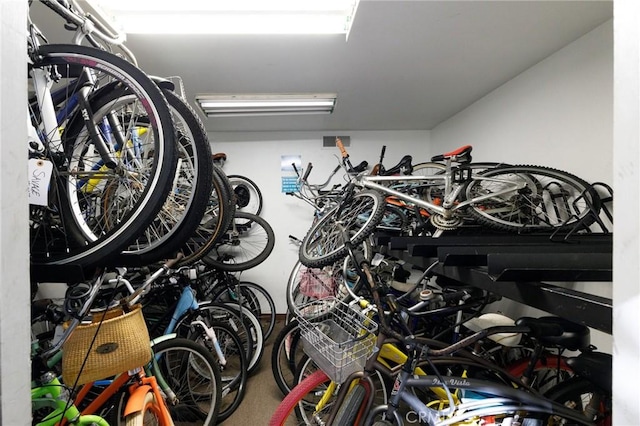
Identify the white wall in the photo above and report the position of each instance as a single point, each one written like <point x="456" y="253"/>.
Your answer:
<point x="14" y="247"/>
<point x="257" y="156"/>
<point x="558" y="113"/>
<point x="626" y="245"/>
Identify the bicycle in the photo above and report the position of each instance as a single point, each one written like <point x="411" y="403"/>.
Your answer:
<point x="168" y="304"/>
<point x="199" y="395"/>
<point x="488" y="400"/>
<point x="509" y="198"/>
<point x="100" y="172"/>
<point x="222" y="286"/>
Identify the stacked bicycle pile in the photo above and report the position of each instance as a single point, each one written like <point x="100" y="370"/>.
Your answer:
<point x="437" y="358"/>
<point x="122" y="178"/>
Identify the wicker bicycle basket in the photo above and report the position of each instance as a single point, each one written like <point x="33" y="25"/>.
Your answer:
<point x="336" y="336"/>
<point x="121" y="344"/>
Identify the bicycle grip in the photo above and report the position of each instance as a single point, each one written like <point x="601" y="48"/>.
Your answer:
<point x="306" y="172"/>
<point x="295" y="169"/>
<point x="340" y="146"/>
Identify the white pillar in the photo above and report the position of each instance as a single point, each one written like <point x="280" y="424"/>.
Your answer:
<point x="626" y="164"/>
<point x="15" y="373"/>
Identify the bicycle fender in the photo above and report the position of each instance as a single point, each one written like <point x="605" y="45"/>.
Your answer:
<point x="163" y="338"/>
<point x="136" y="400"/>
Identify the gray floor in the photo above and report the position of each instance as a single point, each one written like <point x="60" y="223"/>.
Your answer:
<point x="263" y="395"/>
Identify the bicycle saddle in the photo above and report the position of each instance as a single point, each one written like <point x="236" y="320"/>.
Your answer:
<point x="460" y="155"/>
<point x="404" y="167"/>
<point x="594" y="365"/>
<point x="219" y="156"/>
<point x="359" y="168"/>
<point x="573" y="337"/>
<point x="491" y="320"/>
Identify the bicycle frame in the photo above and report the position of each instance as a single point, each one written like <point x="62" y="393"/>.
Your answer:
<point x="451" y="193"/>
<point x="505" y="399"/>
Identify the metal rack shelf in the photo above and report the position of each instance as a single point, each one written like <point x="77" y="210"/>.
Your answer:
<point x="520" y="267"/>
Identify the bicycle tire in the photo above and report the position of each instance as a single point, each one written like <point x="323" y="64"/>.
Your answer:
<point x="307" y="284"/>
<point x="247" y="194"/>
<point x="148" y="415"/>
<point x="286" y="355"/>
<point x="358" y="215"/>
<point x="549" y="200"/>
<point x="255" y="297"/>
<point x="247" y="243"/>
<point x="234" y="374"/>
<point x="307" y="367"/>
<point x="256" y="333"/>
<point x="216" y="219"/>
<point x="67" y="234"/>
<point x="185" y="205"/>
<point x="577" y="392"/>
<point x="193" y="375"/>
<point x="350" y="407"/>
<point x="286" y="409"/>
<point x="213" y="312"/>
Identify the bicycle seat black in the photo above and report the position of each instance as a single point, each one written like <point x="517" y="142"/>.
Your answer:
<point x="359" y="168"/>
<point x="460" y="155"/>
<point x="594" y="365"/>
<point x="573" y="337"/>
<point x="404" y="167"/>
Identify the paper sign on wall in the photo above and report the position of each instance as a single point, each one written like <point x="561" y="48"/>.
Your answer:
<point x="288" y="166"/>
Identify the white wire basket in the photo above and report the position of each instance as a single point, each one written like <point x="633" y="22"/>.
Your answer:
<point x="337" y="337"/>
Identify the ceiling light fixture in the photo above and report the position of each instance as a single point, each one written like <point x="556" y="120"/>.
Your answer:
<point x="223" y="105"/>
<point x="233" y="16"/>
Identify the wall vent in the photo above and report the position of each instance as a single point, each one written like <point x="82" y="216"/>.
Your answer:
<point x="330" y="141"/>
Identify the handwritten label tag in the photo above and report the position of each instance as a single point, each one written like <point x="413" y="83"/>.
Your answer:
<point x="39" y="178"/>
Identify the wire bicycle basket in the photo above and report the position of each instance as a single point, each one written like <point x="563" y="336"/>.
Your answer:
<point x="337" y="337"/>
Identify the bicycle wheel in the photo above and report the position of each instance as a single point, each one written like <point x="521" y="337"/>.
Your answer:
<point x="286" y="356"/>
<point x="248" y="197"/>
<point x="585" y="397"/>
<point x="113" y="171"/>
<point x="254" y="297"/>
<point x="150" y="414"/>
<point x="216" y="219"/>
<point x="542" y="199"/>
<point x="358" y="215"/>
<point x="307" y="392"/>
<point x="308" y="284"/>
<point x="247" y="243"/>
<point x="193" y="375"/>
<point x="351" y="406"/>
<point x="241" y="321"/>
<point x="233" y="373"/>
<point x="185" y="205"/>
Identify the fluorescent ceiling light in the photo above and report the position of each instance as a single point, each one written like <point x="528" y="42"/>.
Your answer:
<point x="234" y="16"/>
<point x="224" y="105"/>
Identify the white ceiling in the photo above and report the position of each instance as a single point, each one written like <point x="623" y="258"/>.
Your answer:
<point x="408" y="65"/>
